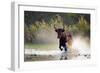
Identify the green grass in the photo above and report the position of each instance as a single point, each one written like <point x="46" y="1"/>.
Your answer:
<point x="41" y="46"/>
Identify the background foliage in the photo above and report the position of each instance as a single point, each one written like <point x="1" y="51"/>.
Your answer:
<point x="39" y="26"/>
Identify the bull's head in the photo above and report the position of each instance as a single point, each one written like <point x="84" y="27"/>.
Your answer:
<point x="59" y="31"/>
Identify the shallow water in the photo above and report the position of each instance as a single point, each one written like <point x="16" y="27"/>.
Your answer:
<point x="36" y="55"/>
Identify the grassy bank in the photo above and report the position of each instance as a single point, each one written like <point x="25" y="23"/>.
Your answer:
<point x="41" y="46"/>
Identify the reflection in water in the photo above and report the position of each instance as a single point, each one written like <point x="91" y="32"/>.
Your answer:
<point x="71" y="54"/>
<point x="63" y="55"/>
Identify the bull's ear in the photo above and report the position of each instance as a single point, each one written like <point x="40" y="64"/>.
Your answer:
<point x="56" y="30"/>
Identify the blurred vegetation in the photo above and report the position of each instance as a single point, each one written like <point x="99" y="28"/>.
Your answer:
<point x="36" y="23"/>
<point x="41" y="46"/>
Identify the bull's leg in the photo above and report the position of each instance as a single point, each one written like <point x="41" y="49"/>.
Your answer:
<point x="60" y="47"/>
<point x="65" y="47"/>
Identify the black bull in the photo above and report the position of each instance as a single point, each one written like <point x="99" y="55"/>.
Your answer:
<point x="64" y="37"/>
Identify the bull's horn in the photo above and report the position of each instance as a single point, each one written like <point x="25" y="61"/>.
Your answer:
<point x="55" y="27"/>
<point x="63" y="26"/>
